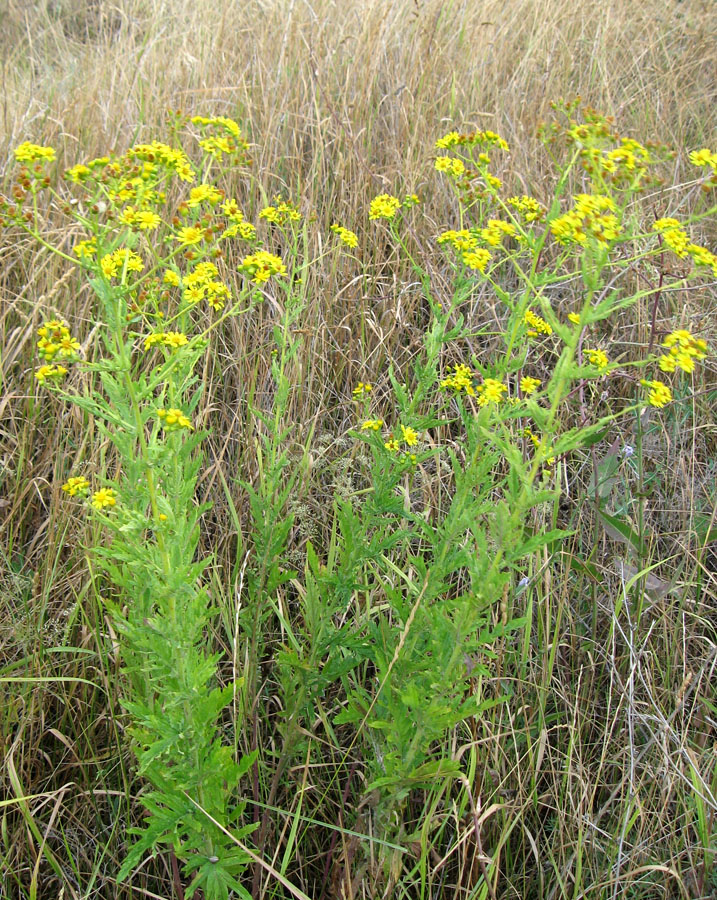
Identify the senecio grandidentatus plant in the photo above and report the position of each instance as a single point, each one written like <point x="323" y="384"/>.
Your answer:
<point x="416" y="665"/>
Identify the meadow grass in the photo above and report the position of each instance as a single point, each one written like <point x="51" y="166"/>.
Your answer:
<point x="587" y="766"/>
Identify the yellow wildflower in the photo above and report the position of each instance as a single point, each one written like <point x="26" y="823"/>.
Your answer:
<point x="529" y="385"/>
<point x="597" y="358"/>
<point x="174" y="419"/>
<point x="262" y="265"/>
<point x="190" y="234"/>
<point x="203" y="193"/>
<point x="659" y="394"/>
<point x="362" y="388"/>
<point x="103" y="498"/>
<point x="28" y="152"/>
<point x="372" y="425"/>
<point x="392" y="445"/>
<point x="409" y="436"/>
<point x="51" y="373"/>
<point x="450" y="165"/>
<point x="491" y="391"/>
<point x="537" y="324"/>
<point x="476" y="259"/>
<point x="76" y="485"/>
<point x="384" y="206"/>
<point x="348" y="237"/>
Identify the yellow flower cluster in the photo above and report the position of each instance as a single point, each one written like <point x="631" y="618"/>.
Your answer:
<point x="491" y="391"/>
<point x="684" y="350"/>
<point x="659" y="394"/>
<point x="188" y="235"/>
<point x="260" y="266"/>
<point x="677" y="239"/>
<point x="239" y="226"/>
<point x="28" y="152"/>
<point x="114" y="264"/>
<point x="280" y="214"/>
<point x="528" y="207"/>
<point x="529" y="385"/>
<point x="537" y="324"/>
<point x="204" y="193"/>
<point x="78" y="174"/>
<point x="55" y="342"/>
<point x="454" y="139"/>
<point x="161" y="154"/>
<point x="462" y="379"/>
<point x="385" y="206"/>
<point x="142" y="219"/>
<point x="372" y="425"/>
<point x="222" y="122"/>
<point x="496" y="230"/>
<point x="171" y="339"/>
<point x="476" y="259"/>
<point x="229" y="140"/>
<point x="460" y="240"/>
<point x="174" y="419"/>
<point x="703" y="158"/>
<point x="409" y="437"/>
<point x="203" y="283"/>
<point x="592" y="216"/>
<point x="348" y="237"/>
<point x="466" y="243"/>
<point x="105" y="497"/>
<point x="85" y="249"/>
<point x="598" y="358"/>
<point x="361" y="389"/>
<point x="50" y="373"/>
<point x="450" y="165"/>
<point x="76" y="485"/>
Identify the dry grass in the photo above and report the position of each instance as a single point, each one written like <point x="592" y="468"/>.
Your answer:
<point x="608" y="753"/>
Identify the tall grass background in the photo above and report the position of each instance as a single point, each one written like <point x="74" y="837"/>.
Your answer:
<point x="614" y="793"/>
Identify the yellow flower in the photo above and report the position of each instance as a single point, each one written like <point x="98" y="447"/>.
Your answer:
<point x="392" y="445"/>
<point x="174" y="419"/>
<point x="462" y="379"/>
<point x="103" y="498"/>
<point x="28" y="152"/>
<point x="53" y="373"/>
<point x="529" y="385"/>
<point x="372" y="425"/>
<point x="409" y="436"/>
<point x="348" y="237"/>
<point x="385" y="206"/>
<point x="190" y="234"/>
<point x="476" y="259"/>
<point x="704" y="157"/>
<point x="450" y="165"/>
<point x="77" y="174"/>
<point x="597" y="358"/>
<point x="659" y="394"/>
<point x="574" y="318"/>
<point x="174" y="339"/>
<point x="460" y="240"/>
<point x="528" y="207"/>
<point x="491" y="391"/>
<point x="261" y="266"/>
<point x="85" y="249"/>
<point x="146" y="220"/>
<point x="76" y="485"/>
<point x="361" y="389"/>
<point x="171" y="278"/>
<point x="537" y="324"/>
<point x="203" y="193"/>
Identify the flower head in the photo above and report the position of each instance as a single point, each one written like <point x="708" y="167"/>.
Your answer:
<point x="76" y="485"/>
<point x="174" y="419"/>
<point x="385" y="206"/>
<point x="105" y="497"/>
<point x="659" y="394"/>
